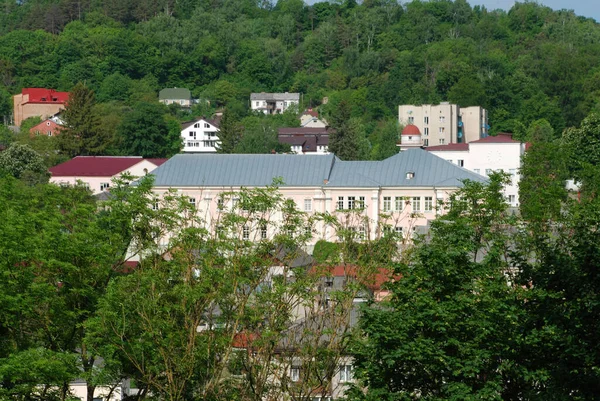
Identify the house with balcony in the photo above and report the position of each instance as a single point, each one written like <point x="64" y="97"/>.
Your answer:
<point x="200" y="136"/>
<point x="273" y="103"/>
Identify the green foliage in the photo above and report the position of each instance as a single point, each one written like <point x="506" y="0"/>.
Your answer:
<point x="22" y="162"/>
<point x="230" y="133"/>
<point x="144" y="132"/>
<point x="348" y="141"/>
<point x="29" y="123"/>
<point x="583" y="145"/>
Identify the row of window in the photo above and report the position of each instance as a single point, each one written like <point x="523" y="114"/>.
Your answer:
<point x="345" y="373"/>
<point x="352" y="203"/>
<point x="415" y="202"/>
<point x="411" y="120"/>
<point x="205" y="144"/>
<point x="192" y="134"/>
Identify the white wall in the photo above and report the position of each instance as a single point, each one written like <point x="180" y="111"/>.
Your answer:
<point x="200" y="137"/>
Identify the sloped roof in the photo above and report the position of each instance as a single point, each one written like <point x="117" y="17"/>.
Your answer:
<point x="429" y="170"/>
<point x="185" y="170"/>
<point x="500" y="138"/>
<point x="237" y="170"/>
<point x="213" y="121"/>
<point x="96" y="166"/>
<point x="43" y="95"/>
<point x="174" y="93"/>
<point x="275" y="96"/>
<point x="451" y="147"/>
<point x="304" y="131"/>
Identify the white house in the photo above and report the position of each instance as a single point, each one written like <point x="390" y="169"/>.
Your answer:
<point x="97" y="172"/>
<point x="180" y="96"/>
<point x="492" y="153"/>
<point x="200" y="136"/>
<point x="273" y="103"/>
<point x="310" y="119"/>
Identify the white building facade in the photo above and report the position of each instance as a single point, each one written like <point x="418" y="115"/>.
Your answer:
<point x="273" y="103"/>
<point x="200" y="136"/>
<point x="446" y="123"/>
<point x="493" y="153"/>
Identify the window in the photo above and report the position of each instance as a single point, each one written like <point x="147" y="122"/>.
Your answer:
<point x="387" y="230"/>
<point x="193" y="134"/>
<point x="477" y="171"/>
<point x="104" y="185"/>
<point x="442" y="119"/>
<point x="460" y="162"/>
<point x="442" y="130"/>
<point x="308" y="205"/>
<point x="398" y="203"/>
<point x="387" y="203"/>
<point x="206" y="125"/>
<point x="351" y="202"/>
<point x="512" y="199"/>
<point x="263" y="231"/>
<point x="411" y="120"/>
<point x="294" y="373"/>
<point x="428" y="204"/>
<point x="398" y="231"/>
<point x="425" y="142"/>
<point x="426" y="120"/>
<point x="308" y="230"/>
<point x="340" y="203"/>
<point x="361" y="202"/>
<point x="197" y="125"/>
<point x="345" y="373"/>
<point x="361" y="232"/>
<point x="245" y="233"/>
<point x="513" y="174"/>
<point x="192" y="201"/>
<point x="426" y="131"/>
<point x="155" y="206"/>
<point x="257" y="104"/>
<point x="416" y="204"/>
<point x="442" y="141"/>
<point x="220" y="203"/>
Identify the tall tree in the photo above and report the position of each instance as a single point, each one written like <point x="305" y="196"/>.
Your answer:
<point x="230" y="133"/>
<point x="22" y="162"/>
<point x="80" y="135"/>
<point x="345" y="141"/>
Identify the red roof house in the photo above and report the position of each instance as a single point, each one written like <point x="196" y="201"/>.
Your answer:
<point x="47" y="128"/>
<point x="42" y="102"/>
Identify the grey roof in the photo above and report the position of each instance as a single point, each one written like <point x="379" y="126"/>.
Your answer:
<point x="275" y="96"/>
<point x="429" y="170"/>
<point x="175" y="93"/>
<point x="236" y="170"/>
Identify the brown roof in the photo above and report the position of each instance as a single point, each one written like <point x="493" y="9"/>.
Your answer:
<point x="451" y="147"/>
<point x="98" y="166"/>
<point x="411" y="129"/>
<point x="502" y="137"/>
<point x="304" y="131"/>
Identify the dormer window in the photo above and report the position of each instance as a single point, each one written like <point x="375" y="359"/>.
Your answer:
<point x="43" y="99"/>
<point x="410" y="175"/>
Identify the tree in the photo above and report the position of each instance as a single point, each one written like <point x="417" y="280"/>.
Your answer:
<point x="345" y="140"/>
<point x="450" y="329"/>
<point x="144" y="132"/>
<point x="230" y="133"/>
<point x="384" y="140"/>
<point x="583" y="145"/>
<point x="22" y="162"/>
<point x="80" y="134"/>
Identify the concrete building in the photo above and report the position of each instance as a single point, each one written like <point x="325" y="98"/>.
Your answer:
<point x="200" y="136"/>
<point x="38" y="102"/>
<point x="446" y="123"/>
<point x="492" y="153"/>
<point x="273" y="103"/>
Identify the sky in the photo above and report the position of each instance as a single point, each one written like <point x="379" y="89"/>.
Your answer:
<point x="586" y="8"/>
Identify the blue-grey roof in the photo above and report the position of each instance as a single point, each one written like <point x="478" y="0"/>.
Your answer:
<point x="216" y="170"/>
<point x="236" y="170"/>
<point x="429" y="170"/>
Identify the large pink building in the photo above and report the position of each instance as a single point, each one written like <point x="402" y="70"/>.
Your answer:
<point x="369" y="197"/>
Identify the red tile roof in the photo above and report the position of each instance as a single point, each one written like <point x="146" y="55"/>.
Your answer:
<point x="373" y="281"/>
<point x="311" y="112"/>
<point x="43" y="95"/>
<point x="411" y="129"/>
<point x="95" y="166"/>
<point x="451" y="147"/>
<point x="500" y="138"/>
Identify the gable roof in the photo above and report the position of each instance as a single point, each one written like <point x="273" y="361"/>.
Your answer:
<point x="451" y="147"/>
<point x="275" y="96"/>
<point x="236" y="170"/>
<point x="304" y="131"/>
<point x="174" y="93"/>
<point x="213" y="121"/>
<point x="43" y="95"/>
<point x="95" y="166"/>
<point x="500" y="138"/>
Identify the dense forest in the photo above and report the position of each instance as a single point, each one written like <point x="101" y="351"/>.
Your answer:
<point x="522" y="65"/>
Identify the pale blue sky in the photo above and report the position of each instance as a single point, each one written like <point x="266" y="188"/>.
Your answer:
<point x="586" y="8"/>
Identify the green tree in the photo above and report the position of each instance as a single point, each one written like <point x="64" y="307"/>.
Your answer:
<point x="345" y="140"/>
<point x="583" y="145"/>
<point x="144" y="132"/>
<point x="80" y="134"/>
<point x="230" y="133"/>
<point x="384" y="140"/>
<point x="22" y="162"/>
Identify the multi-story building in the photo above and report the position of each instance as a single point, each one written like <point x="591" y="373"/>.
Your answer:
<point x="200" y="136"/>
<point x="446" y="123"/>
<point x="38" y="102"/>
<point x="273" y="103"/>
<point x="492" y="153"/>
<point x="369" y="197"/>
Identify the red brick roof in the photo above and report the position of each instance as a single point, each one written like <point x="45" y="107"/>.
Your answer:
<point x="451" y="147"/>
<point x="311" y="112"/>
<point x="96" y="166"/>
<point x="500" y="138"/>
<point x="43" y="95"/>
<point x="411" y="129"/>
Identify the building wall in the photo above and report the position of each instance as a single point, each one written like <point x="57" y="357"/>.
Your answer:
<point x="482" y="158"/>
<point x="47" y="128"/>
<point x="279" y="106"/>
<point x="181" y="102"/>
<point x="439" y="124"/>
<point x="200" y="138"/>
<point x="24" y="111"/>
<point x="95" y="183"/>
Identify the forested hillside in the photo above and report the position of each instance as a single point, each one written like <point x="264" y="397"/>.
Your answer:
<point x="522" y="65"/>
